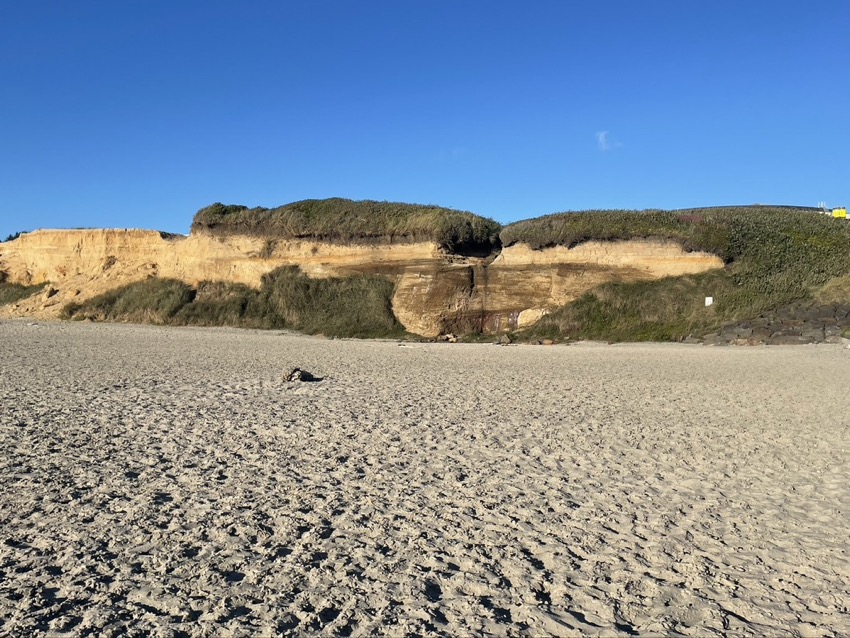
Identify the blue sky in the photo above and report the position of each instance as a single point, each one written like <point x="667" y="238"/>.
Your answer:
<point x="138" y="113"/>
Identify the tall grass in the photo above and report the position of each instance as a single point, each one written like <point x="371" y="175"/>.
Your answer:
<point x="835" y="291"/>
<point x="346" y="221"/>
<point x="154" y="301"/>
<point x="356" y="306"/>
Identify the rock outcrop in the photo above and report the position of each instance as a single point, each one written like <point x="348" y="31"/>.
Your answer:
<point x="801" y="323"/>
<point x="437" y="292"/>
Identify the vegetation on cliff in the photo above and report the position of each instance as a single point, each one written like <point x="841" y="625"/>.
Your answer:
<point x="356" y="306"/>
<point x="693" y="232"/>
<point x="345" y="221"/>
<point x="10" y="293"/>
<point x="774" y="256"/>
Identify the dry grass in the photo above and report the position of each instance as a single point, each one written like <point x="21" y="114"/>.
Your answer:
<point x="834" y="291"/>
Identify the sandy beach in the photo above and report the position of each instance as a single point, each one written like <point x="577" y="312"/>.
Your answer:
<point x="170" y="482"/>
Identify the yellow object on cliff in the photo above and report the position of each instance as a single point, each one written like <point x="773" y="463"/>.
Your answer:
<point x="839" y="213"/>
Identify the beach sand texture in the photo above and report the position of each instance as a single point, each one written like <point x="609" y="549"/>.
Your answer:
<point x="169" y="482"/>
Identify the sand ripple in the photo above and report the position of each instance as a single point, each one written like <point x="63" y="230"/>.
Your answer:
<point x="168" y="482"/>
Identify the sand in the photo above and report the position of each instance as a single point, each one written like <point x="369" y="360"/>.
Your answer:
<point x="169" y="482"/>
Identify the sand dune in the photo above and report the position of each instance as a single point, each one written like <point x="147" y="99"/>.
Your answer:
<point x="169" y="482"/>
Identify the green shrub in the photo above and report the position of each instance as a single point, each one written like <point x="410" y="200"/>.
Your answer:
<point x="150" y="301"/>
<point x="227" y="304"/>
<point x="665" y="310"/>
<point x="694" y="232"/>
<point x="356" y="306"/>
<point x="345" y="221"/>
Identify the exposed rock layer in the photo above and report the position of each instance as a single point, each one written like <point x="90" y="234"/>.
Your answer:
<point x="436" y="292"/>
<point x="800" y="323"/>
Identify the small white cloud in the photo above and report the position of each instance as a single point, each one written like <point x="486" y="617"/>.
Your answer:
<point x="604" y="141"/>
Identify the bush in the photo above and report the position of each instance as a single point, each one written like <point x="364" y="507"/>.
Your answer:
<point x="226" y="304"/>
<point x="665" y="310"/>
<point x="154" y="301"/>
<point x="693" y="232"/>
<point x="356" y="306"/>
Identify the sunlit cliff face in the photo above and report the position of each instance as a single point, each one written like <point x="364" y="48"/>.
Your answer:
<point x="436" y="291"/>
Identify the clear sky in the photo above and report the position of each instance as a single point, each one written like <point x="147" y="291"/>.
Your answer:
<point x="136" y="113"/>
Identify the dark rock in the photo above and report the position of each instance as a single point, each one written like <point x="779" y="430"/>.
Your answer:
<point x="831" y="331"/>
<point x="786" y="331"/>
<point x="789" y="340"/>
<point x="811" y="314"/>
<point x="816" y="334"/>
<point x="748" y="342"/>
<point x="297" y="374"/>
<point x="715" y="340"/>
<point x="841" y="312"/>
<point x="761" y="333"/>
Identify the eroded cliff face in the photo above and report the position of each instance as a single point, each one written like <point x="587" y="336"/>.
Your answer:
<point x="435" y="292"/>
<point x="519" y="286"/>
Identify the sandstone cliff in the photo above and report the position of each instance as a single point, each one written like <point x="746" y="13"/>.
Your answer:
<point x="436" y="291"/>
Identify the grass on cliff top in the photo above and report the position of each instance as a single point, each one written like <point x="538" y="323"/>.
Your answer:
<point x="774" y="255"/>
<point x="345" y="221"/>
<point x="356" y="306"/>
